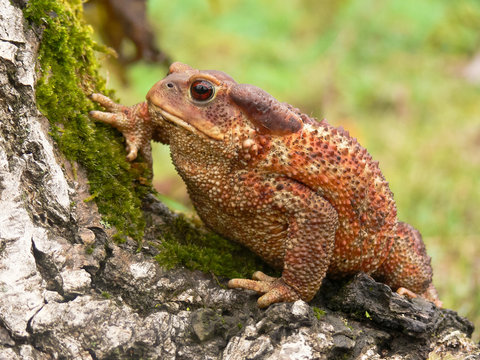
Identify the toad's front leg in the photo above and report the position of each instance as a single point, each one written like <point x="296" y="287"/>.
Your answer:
<point x="132" y="121"/>
<point x="309" y="243"/>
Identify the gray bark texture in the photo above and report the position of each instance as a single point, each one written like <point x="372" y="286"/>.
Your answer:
<point x="58" y="300"/>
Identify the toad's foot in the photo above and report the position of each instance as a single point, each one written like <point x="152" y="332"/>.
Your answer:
<point x="274" y="289"/>
<point x="430" y="294"/>
<point x="132" y="121"/>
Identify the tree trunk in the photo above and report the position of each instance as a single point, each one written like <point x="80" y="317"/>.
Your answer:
<point x="67" y="290"/>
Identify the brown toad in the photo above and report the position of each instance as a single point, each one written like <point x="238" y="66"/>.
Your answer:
<point x="302" y="194"/>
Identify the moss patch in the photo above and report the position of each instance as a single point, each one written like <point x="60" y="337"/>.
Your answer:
<point x="68" y="72"/>
<point x="319" y="313"/>
<point x="185" y="244"/>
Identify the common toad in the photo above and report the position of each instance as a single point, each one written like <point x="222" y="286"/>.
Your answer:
<point x="302" y="194"/>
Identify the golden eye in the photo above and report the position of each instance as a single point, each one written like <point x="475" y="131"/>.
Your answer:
<point x="202" y="90"/>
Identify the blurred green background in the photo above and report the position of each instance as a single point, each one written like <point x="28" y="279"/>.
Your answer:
<point x="400" y="75"/>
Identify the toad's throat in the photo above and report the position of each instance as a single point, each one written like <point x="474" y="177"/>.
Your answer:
<point x="201" y="129"/>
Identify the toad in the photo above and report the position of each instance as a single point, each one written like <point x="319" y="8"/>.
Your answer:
<point x="302" y="194"/>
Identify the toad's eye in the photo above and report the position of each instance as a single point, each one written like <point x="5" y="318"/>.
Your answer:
<point x="202" y="90"/>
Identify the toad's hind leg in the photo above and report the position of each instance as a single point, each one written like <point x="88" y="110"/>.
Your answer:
<point x="308" y="247"/>
<point x="407" y="268"/>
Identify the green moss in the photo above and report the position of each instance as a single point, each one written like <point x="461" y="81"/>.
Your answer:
<point x="345" y="321"/>
<point x="90" y="249"/>
<point x="185" y="244"/>
<point x="319" y="313"/>
<point x="68" y="73"/>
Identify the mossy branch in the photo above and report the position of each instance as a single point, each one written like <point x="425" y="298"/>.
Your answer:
<point x="68" y="73"/>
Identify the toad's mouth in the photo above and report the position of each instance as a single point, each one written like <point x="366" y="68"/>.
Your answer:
<point x="176" y="120"/>
<point x="202" y="128"/>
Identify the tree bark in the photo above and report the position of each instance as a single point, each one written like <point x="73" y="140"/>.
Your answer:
<point x="68" y="291"/>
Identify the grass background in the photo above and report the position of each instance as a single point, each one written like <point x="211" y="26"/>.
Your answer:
<point x="392" y="72"/>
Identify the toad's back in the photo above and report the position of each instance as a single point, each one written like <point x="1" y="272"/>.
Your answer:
<point x="338" y="168"/>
